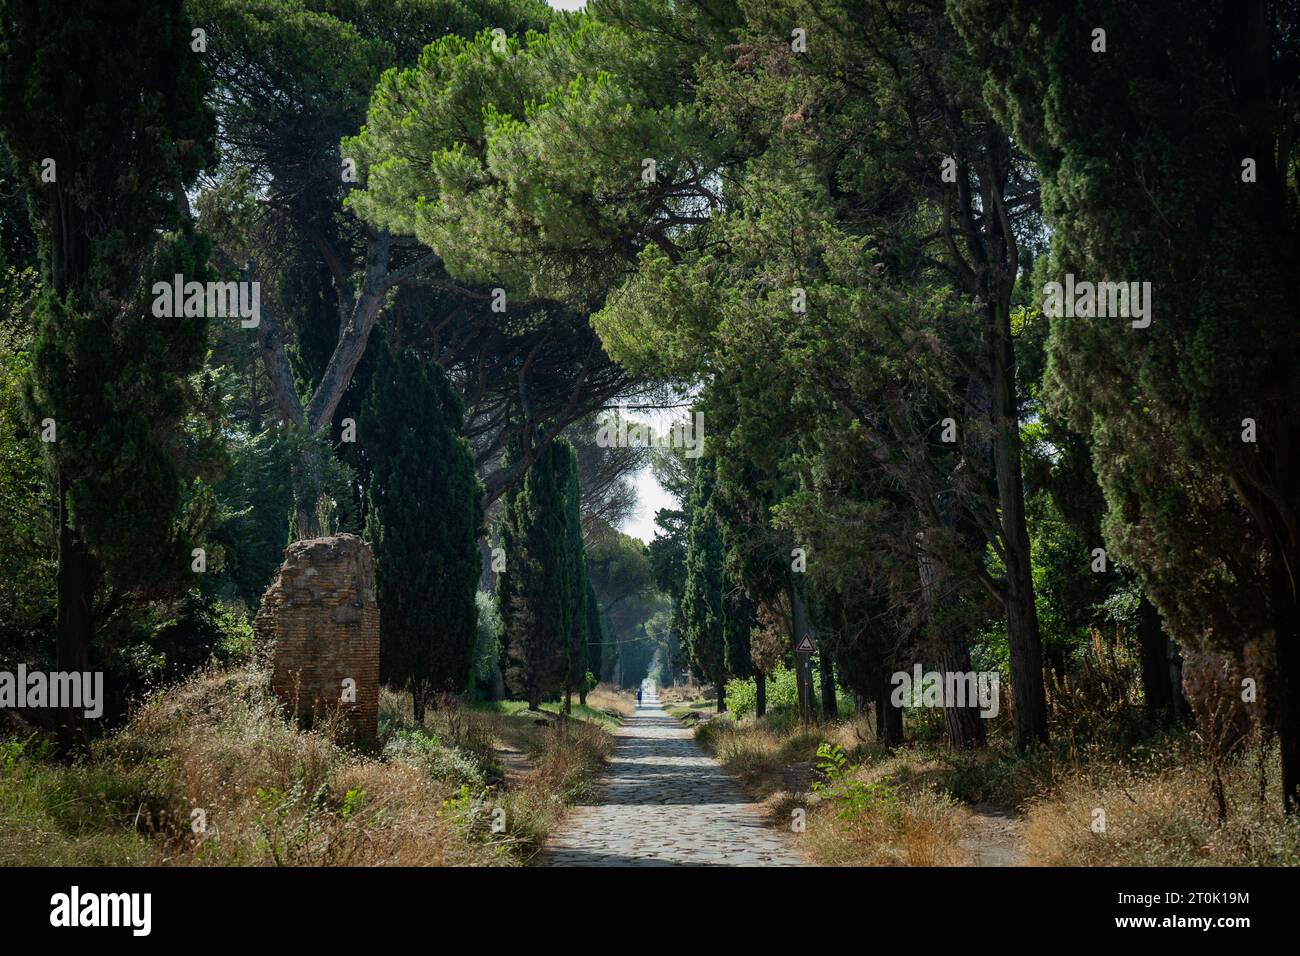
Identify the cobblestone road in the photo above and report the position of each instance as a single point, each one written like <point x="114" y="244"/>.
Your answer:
<point x="664" y="802"/>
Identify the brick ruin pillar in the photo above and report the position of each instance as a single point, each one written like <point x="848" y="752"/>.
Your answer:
<point x="321" y="615"/>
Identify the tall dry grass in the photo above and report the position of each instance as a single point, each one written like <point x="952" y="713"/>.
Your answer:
<point x="612" y="699"/>
<point x="1169" y="798"/>
<point x="212" y="773"/>
<point x="1164" y="811"/>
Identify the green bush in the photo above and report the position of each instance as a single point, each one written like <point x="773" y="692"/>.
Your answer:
<point x="782" y="694"/>
<point x="487" y="651"/>
<point x="446" y="763"/>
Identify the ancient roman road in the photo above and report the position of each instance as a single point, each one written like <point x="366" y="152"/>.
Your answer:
<point x="664" y="802"/>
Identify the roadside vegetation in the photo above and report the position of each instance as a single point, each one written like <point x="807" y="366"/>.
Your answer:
<point x="1153" y="795"/>
<point x="992" y="337"/>
<point x="211" y="772"/>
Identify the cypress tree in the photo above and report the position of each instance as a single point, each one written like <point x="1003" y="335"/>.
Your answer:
<point x="1190" y="403"/>
<point x="424" y="519"/>
<point x="739" y="617"/>
<point x="702" y="610"/>
<point x="595" y="636"/>
<point x="101" y="107"/>
<point x="533" y="594"/>
<point x="575" y="584"/>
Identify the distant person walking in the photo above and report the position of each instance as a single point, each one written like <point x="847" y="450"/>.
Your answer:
<point x="638" y="696"/>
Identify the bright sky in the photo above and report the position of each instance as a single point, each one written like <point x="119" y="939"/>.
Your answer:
<point x="567" y="5"/>
<point x="650" y="494"/>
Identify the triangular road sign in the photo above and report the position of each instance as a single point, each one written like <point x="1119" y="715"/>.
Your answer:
<point x="806" y="646"/>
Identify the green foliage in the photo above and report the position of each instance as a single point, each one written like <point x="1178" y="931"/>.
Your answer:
<point x="782" y="693"/>
<point x="855" y="798"/>
<point x="523" y="165"/>
<point x="595" y="632"/>
<point x="702" y="596"/>
<point x="256" y="497"/>
<point x="626" y="600"/>
<point x="535" y="594"/>
<point x="199" y="630"/>
<point x="424" y="519"/>
<point x="442" y="761"/>
<point x="27" y="568"/>
<point x="487" y="650"/>
<point x="113" y="377"/>
<point x="129" y="472"/>
<point x="1191" y="506"/>
<point x="577" y="585"/>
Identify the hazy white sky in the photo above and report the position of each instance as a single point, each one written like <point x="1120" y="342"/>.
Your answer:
<point x="650" y="494"/>
<point x="567" y="4"/>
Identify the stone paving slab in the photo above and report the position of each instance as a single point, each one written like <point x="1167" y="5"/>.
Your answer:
<point x="664" y="802"/>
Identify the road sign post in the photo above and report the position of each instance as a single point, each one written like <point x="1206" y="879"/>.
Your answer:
<point x="804" y="651"/>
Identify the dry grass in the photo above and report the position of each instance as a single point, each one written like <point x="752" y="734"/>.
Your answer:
<point x="679" y="695"/>
<point x="923" y="830"/>
<point x="566" y="762"/>
<point x="909" y="806"/>
<point x="1163" y="813"/>
<point x="612" y="699"/>
<point x="882" y="812"/>
<point x="272" y="794"/>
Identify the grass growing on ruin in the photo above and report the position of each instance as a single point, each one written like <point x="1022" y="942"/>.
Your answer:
<point x="211" y="773"/>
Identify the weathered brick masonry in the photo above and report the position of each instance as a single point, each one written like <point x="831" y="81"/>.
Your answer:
<point x="322" y="615"/>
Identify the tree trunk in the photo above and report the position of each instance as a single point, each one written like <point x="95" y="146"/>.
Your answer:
<point x="798" y="628"/>
<point x="417" y="706"/>
<point x="1156" y="686"/>
<point x="830" y="706"/>
<point x="74" y="627"/>
<point x="963" y="724"/>
<point x="1181" y="709"/>
<point x="1286" y="617"/>
<point x="1029" y="703"/>
<point x="760" y="694"/>
<point x="568" y="701"/>
<point x="721" y="694"/>
<point x="307" y="489"/>
<point x="889" y="719"/>
<point x="582" y="695"/>
<point x="805" y="667"/>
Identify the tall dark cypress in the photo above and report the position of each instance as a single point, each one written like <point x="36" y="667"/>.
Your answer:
<point x="575" y="584"/>
<point x="101" y="106"/>
<point x="532" y="592"/>
<point x="424" y="519"/>
<point x="702" y="598"/>
<point x="595" y="634"/>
